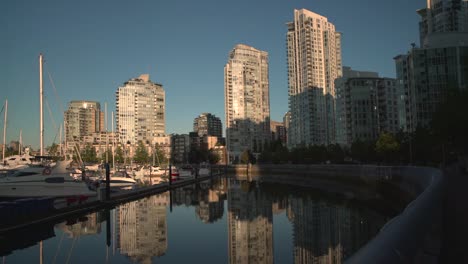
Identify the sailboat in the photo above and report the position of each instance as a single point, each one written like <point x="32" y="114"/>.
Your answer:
<point x="42" y="181"/>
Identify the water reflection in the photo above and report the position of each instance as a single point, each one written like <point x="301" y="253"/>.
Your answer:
<point x="250" y="223"/>
<point x="323" y="231"/>
<point x="318" y="228"/>
<point x="86" y="225"/>
<point x="207" y="198"/>
<point x="142" y="229"/>
<point x="327" y="233"/>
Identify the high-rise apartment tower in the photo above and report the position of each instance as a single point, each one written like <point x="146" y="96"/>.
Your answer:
<point x="314" y="62"/>
<point x="428" y="72"/>
<point x="247" y="101"/>
<point x="140" y="110"/>
<point x="83" y="118"/>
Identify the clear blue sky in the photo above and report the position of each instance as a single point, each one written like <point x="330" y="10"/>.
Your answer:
<point x="92" y="47"/>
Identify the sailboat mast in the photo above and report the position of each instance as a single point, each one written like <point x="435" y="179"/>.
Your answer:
<point x="20" y="143"/>
<point x="107" y="135"/>
<point x="113" y="141"/>
<point x="60" y="142"/>
<point x="4" y="129"/>
<point x="64" y="139"/>
<point x="41" y="106"/>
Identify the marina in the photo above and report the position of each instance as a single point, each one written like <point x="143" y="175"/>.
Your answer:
<point x="61" y="206"/>
<point x="220" y="219"/>
<point x="348" y="213"/>
<point x="298" y="132"/>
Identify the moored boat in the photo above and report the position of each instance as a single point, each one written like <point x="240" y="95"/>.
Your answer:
<point x="42" y="182"/>
<point x="119" y="179"/>
<point x="186" y="171"/>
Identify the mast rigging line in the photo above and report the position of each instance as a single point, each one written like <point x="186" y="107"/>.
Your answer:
<point x="57" y="98"/>
<point x="55" y="89"/>
<point x="52" y="119"/>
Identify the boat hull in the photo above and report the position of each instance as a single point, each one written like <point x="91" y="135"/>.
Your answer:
<point x="13" y="190"/>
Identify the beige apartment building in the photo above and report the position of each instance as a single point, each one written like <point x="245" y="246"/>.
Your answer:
<point x="140" y="111"/>
<point x="247" y="101"/>
<point x="314" y="62"/>
<point x="83" y="118"/>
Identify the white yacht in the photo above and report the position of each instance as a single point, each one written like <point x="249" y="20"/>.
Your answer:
<point x="16" y="162"/>
<point x="120" y="179"/>
<point x="156" y="171"/>
<point x="42" y="182"/>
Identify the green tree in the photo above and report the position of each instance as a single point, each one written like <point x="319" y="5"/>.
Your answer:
<point x="53" y="149"/>
<point x="9" y="152"/>
<point x="363" y="151"/>
<point x="88" y="154"/>
<point x="196" y="155"/>
<point x="245" y="157"/>
<point x="119" y="155"/>
<point x="274" y="152"/>
<point x="141" y="153"/>
<point x="387" y="146"/>
<point x="159" y="155"/>
<point x="450" y="123"/>
<point x="335" y="153"/>
<point x="213" y="157"/>
<point x="423" y="146"/>
<point x="109" y="155"/>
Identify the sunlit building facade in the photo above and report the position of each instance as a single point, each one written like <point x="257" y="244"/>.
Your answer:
<point x="247" y="101"/>
<point x="250" y="225"/>
<point x="208" y="124"/>
<point x="142" y="228"/>
<point x="314" y="62"/>
<point x="140" y="111"/>
<point x="83" y="118"/>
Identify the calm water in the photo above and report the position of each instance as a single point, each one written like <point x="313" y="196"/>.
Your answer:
<point x="222" y="221"/>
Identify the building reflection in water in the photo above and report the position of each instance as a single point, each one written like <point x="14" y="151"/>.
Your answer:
<point x="210" y="207"/>
<point x="87" y="225"/>
<point x="323" y="231"/>
<point x="250" y="224"/>
<point x="142" y="229"/>
<point x="325" y="228"/>
<point x="329" y="233"/>
<point x="207" y="197"/>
